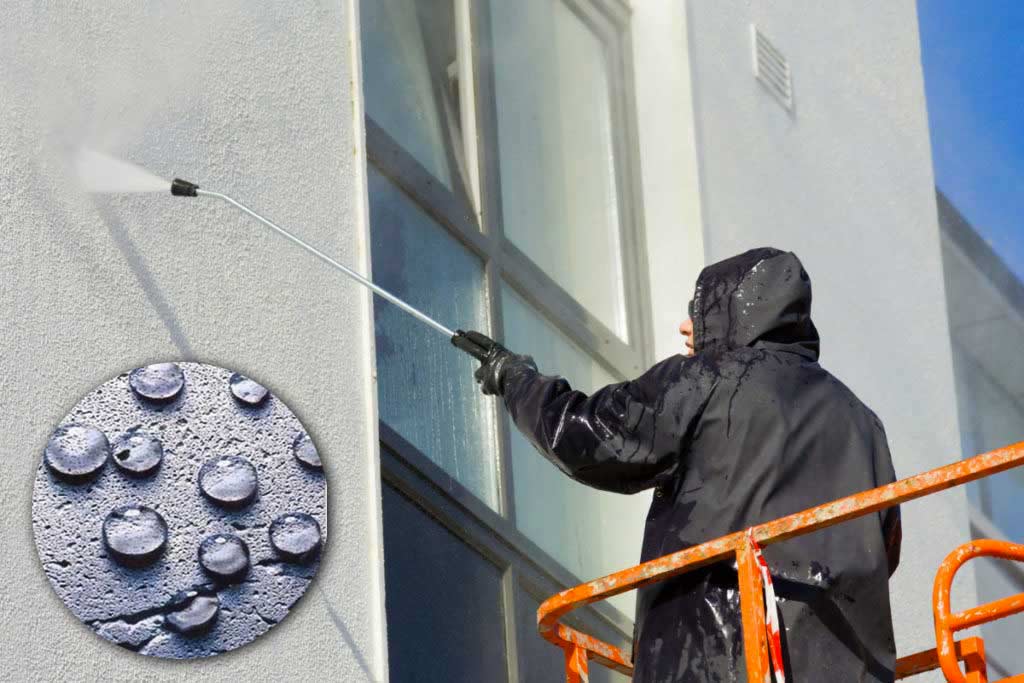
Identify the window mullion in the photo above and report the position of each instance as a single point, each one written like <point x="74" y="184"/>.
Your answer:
<point x="631" y="217"/>
<point x="485" y="126"/>
<point x="508" y="600"/>
<point x="506" y="499"/>
<point x="465" y="51"/>
<point x="471" y="16"/>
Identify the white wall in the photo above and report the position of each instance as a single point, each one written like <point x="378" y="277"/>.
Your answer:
<point x="845" y="182"/>
<point x="257" y="100"/>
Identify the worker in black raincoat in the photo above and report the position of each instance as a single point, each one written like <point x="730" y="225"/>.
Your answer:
<point x="747" y="429"/>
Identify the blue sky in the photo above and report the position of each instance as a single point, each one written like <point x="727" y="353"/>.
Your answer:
<point x="973" y="56"/>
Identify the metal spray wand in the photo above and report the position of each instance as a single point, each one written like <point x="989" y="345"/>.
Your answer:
<point x="183" y="188"/>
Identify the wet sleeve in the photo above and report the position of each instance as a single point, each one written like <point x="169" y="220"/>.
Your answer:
<point x="885" y="473"/>
<point x="893" y="530"/>
<point x="624" y="437"/>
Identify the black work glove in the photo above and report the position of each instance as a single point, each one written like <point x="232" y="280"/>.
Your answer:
<point x="492" y="356"/>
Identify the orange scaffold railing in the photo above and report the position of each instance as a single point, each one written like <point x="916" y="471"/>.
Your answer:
<point x="580" y="648"/>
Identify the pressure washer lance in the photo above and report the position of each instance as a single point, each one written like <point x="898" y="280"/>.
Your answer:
<point x="462" y="340"/>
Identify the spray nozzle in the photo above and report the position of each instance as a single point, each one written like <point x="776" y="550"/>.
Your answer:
<point x="183" y="188"/>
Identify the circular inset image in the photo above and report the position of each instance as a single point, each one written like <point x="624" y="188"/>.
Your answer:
<point x="174" y="517"/>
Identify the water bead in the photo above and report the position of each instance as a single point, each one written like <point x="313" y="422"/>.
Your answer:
<point x="295" y="536"/>
<point x="193" y="611"/>
<point x="224" y="556"/>
<point x="157" y="382"/>
<point x="305" y="452"/>
<point x="137" y="452"/>
<point x="246" y="390"/>
<point x="76" y="451"/>
<point x="135" y="535"/>
<point x="228" y="480"/>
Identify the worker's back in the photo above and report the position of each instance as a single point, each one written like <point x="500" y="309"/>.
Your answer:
<point x="777" y="435"/>
<point x="749" y="429"/>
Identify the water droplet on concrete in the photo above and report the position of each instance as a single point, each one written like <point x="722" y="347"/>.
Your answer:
<point x="229" y="480"/>
<point x="224" y="556"/>
<point x="305" y="452"/>
<point x="137" y="452"/>
<point x="296" y="536"/>
<point x="76" y="452"/>
<point x="193" y="611"/>
<point x="135" y="535"/>
<point x="246" y="390"/>
<point x="157" y="382"/>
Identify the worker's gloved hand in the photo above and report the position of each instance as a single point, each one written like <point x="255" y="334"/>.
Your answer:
<point x="493" y="358"/>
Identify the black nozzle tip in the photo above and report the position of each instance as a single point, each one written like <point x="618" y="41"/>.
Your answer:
<point x="183" y="188"/>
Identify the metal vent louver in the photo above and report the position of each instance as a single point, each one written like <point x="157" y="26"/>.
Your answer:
<point x="771" y="68"/>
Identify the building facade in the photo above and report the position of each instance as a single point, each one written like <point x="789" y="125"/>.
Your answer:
<point x="986" y="326"/>
<point x="552" y="172"/>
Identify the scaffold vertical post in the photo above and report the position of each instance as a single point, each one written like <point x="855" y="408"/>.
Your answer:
<point x="576" y="665"/>
<point x="755" y="642"/>
<point x="974" y="660"/>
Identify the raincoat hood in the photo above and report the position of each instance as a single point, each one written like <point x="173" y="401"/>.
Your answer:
<point x="760" y="295"/>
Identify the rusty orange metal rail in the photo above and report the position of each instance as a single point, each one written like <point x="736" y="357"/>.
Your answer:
<point x="947" y="624"/>
<point x="580" y="648"/>
<point x="970" y="651"/>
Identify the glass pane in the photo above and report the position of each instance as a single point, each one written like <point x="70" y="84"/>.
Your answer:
<point x="408" y="46"/>
<point x="443" y="601"/>
<point x="590" y="532"/>
<point x="425" y="386"/>
<point x="539" y="660"/>
<point x="557" y="165"/>
<point x="990" y="417"/>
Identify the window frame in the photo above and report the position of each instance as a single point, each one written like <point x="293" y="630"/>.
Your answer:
<point x="472" y="215"/>
<point x="610" y="24"/>
<point x="524" y="566"/>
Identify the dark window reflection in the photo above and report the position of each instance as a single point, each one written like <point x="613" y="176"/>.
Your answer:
<point x="443" y="601"/>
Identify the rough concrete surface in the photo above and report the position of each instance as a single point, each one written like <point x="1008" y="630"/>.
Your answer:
<point x="203" y="427"/>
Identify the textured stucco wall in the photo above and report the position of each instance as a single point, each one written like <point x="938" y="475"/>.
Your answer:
<point x="257" y="100"/>
<point x="846" y="182"/>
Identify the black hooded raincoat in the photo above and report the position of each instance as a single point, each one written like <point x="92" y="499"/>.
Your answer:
<point x="749" y="429"/>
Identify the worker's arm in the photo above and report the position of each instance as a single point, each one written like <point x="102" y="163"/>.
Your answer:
<point x="892" y="529"/>
<point x="885" y="473"/>
<point x="624" y="437"/>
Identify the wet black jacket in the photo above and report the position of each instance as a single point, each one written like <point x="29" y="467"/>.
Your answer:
<point x="749" y="429"/>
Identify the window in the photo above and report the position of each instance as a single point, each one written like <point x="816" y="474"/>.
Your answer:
<point x="568" y="520"/>
<point x="991" y="417"/>
<point x="425" y="391"/>
<point x="501" y="181"/>
<point x="409" y="46"/>
<point x="557" y="160"/>
<point x="450" y="601"/>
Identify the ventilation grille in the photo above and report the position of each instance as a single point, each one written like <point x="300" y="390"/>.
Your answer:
<point x="772" y="68"/>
